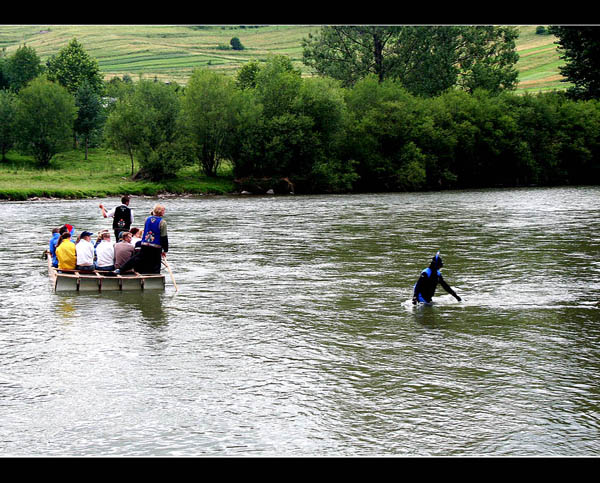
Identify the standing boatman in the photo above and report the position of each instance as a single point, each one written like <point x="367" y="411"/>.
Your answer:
<point x="427" y="283"/>
<point x="154" y="246"/>
<point x="122" y="216"/>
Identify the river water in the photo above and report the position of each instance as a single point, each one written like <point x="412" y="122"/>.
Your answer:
<point x="292" y="333"/>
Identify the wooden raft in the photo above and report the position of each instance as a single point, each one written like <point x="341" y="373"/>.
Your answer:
<point x="98" y="281"/>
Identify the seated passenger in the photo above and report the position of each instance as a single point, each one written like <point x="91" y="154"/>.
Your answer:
<point x="85" y="252"/>
<point x="67" y="228"/>
<point x="136" y="238"/>
<point x="52" y="246"/>
<point x="123" y="250"/>
<point x="105" y="253"/>
<point x="99" y="237"/>
<point x="66" y="252"/>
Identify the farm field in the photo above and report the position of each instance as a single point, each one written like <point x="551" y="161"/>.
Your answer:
<point x="172" y="52"/>
<point x="168" y="53"/>
<point x="538" y="62"/>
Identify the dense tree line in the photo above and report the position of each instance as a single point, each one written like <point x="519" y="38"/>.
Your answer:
<point x="427" y="60"/>
<point x="282" y="131"/>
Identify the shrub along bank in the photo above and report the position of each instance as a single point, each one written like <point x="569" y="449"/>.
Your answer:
<point x="378" y="137"/>
<point x="278" y="130"/>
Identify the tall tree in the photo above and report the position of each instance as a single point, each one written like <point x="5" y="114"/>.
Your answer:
<point x="21" y="67"/>
<point x="350" y="53"/>
<point x="246" y="75"/>
<point x="144" y="122"/>
<point x="209" y="110"/>
<point x="45" y="115"/>
<point x="8" y="112"/>
<point x="122" y="130"/>
<point x="486" y="58"/>
<point x="72" y="66"/>
<point x="579" y="47"/>
<point x="89" y="115"/>
<point x="4" y="84"/>
<point x="426" y="59"/>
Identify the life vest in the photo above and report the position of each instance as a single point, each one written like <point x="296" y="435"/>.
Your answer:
<point x="151" y="236"/>
<point x="122" y="218"/>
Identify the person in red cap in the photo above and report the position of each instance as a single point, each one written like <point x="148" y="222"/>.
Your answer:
<point x="66" y="228"/>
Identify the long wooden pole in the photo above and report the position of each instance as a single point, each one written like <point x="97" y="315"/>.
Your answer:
<point x="170" y="273"/>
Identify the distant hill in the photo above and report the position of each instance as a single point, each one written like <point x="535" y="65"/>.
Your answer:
<point x="170" y="53"/>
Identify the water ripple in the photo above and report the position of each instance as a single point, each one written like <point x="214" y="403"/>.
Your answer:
<point x="293" y="333"/>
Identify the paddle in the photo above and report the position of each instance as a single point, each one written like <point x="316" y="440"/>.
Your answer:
<point x="170" y="273"/>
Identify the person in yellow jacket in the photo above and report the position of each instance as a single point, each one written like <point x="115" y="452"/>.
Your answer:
<point x="66" y="253"/>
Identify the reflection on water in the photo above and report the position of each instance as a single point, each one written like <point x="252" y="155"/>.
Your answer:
<point x="143" y="306"/>
<point x="65" y="309"/>
<point x="292" y="332"/>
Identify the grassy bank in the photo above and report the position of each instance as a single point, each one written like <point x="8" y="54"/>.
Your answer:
<point x="105" y="173"/>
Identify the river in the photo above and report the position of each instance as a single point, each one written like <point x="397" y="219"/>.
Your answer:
<point x="292" y="332"/>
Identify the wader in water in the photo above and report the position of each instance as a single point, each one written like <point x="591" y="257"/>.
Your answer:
<point x="427" y="283"/>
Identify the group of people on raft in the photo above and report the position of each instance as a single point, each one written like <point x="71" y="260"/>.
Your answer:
<point x="142" y="251"/>
<point x="136" y="250"/>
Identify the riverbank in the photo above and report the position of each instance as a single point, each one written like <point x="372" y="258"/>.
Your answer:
<point x="104" y="173"/>
<point x="108" y="174"/>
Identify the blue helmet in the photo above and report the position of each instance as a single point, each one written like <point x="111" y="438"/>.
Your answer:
<point x="436" y="261"/>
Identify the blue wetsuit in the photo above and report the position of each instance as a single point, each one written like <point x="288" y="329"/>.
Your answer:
<point x="425" y="287"/>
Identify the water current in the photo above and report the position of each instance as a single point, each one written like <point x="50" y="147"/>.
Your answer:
<point x="293" y="334"/>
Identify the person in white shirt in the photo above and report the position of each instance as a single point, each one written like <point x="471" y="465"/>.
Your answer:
<point x="85" y="251"/>
<point x="105" y="254"/>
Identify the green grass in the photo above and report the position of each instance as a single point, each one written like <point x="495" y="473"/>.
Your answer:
<point x="161" y="51"/>
<point x="539" y="62"/>
<point x="105" y="173"/>
<point x="171" y="52"/>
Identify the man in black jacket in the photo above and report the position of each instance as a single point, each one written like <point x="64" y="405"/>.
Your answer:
<point x="122" y="216"/>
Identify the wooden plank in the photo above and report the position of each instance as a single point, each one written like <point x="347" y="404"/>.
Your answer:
<point x="77" y="280"/>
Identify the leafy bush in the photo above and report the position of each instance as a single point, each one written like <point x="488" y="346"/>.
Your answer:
<point x="236" y="44"/>
<point x="44" y="121"/>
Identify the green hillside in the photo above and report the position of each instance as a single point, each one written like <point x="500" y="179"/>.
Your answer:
<point x="172" y="52"/>
<point x="538" y="61"/>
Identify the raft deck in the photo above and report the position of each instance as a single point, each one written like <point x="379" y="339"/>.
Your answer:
<point x="99" y="281"/>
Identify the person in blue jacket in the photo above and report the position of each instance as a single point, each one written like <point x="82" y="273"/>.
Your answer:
<point x="154" y="245"/>
<point x="56" y="233"/>
<point x="427" y="283"/>
<point x="52" y="246"/>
